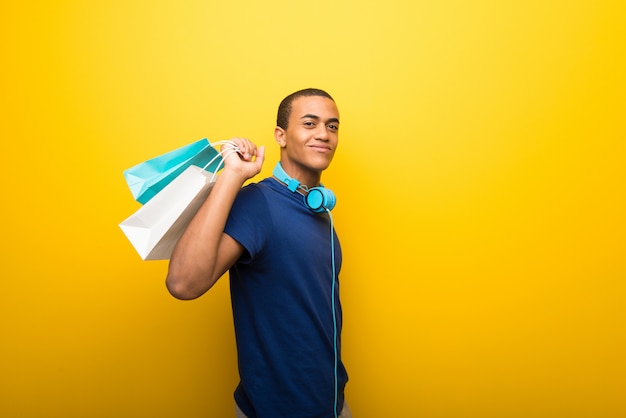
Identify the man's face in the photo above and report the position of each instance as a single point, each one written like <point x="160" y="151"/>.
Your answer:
<point x="311" y="137"/>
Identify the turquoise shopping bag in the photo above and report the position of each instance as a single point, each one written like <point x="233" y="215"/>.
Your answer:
<point x="146" y="179"/>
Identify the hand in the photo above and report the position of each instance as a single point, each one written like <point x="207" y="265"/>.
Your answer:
<point x="246" y="161"/>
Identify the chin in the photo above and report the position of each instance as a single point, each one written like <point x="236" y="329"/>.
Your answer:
<point x="321" y="162"/>
<point x="320" y="165"/>
<point x="317" y="163"/>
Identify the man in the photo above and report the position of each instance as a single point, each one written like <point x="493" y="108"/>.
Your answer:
<point x="284" y="259"/>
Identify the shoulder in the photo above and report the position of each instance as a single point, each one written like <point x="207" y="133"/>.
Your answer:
<point x="250" y="221"/>
<point x="256" y="201"/>
<point x="254" y="193"/>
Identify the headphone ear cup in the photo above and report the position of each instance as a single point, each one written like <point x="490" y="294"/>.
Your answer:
<point x="320" y="199"/>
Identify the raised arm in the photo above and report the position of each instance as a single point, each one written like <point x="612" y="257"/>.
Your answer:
<point x="204" y="252"/>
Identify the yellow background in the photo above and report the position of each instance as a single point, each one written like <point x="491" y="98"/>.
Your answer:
<point x="480" y="182"/>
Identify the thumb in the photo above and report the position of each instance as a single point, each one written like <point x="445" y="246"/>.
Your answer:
<point x="260" y="156"/>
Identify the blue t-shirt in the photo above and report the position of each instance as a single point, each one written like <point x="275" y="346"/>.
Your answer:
<point x="281" y="291"/>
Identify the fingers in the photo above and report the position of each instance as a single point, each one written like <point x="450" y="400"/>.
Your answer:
<point x="247" y="152"/>
<point x="246" y="148"/>
<point x="249" y="159"/>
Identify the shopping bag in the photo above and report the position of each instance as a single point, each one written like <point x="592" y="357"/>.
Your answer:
<point x="155" y="228"/>
<point x="148" y="178"/>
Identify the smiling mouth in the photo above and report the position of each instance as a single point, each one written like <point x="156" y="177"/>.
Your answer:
<point x="320" y="147"/>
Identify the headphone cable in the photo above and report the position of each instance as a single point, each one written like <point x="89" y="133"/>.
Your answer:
<point x="334" y="281"/>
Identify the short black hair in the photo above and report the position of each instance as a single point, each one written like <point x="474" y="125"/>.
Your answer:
<point x="284" y="109"/>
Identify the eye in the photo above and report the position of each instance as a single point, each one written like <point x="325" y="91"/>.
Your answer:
<point x="333" y="127"/>
<point x="309" y="123"/>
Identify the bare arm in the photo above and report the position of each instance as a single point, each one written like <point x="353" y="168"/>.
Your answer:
<point x="204" y="252"/>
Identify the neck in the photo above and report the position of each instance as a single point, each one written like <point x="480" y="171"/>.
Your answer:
<point x="292" y="183"/>
<point x="306" y="178"/>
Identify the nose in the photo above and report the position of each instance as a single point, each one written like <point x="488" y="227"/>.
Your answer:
<point x="322" y="133"/>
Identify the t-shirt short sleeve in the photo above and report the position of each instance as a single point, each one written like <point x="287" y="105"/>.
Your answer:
<point x="249" y="221"/>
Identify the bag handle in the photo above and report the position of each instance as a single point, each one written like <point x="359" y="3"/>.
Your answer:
<point x="222" y="154"/>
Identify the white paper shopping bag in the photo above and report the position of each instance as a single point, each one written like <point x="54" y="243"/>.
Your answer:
<point x="155" y="228"/>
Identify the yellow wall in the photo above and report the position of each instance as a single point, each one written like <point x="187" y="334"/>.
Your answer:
<point x="480" y="184"/>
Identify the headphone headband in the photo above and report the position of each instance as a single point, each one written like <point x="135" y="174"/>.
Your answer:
<point x="292" y="184"/>
<point x="317" y="199"/>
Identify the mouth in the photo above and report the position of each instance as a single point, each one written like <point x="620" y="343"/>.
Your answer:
<point x="320" y="147"/>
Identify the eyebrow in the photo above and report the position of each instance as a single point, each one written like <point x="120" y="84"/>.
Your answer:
<point x="312" y="116"/>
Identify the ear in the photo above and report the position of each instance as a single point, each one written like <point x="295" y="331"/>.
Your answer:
<point x="280" y="136"/>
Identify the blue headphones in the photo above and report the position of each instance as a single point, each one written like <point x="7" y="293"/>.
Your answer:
<point x="318" y="199"/>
